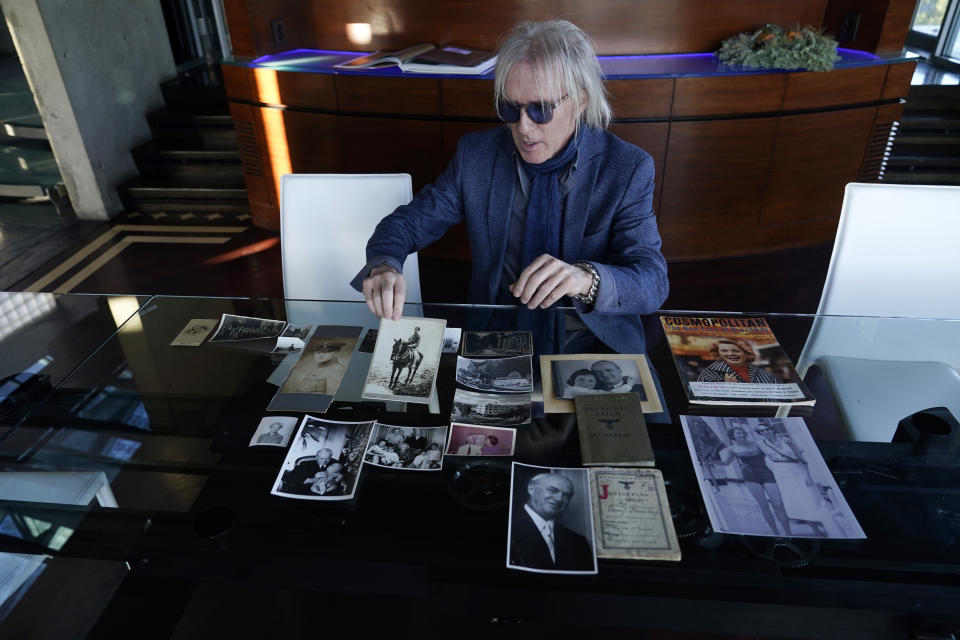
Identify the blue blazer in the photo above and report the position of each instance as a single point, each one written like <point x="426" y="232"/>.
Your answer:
<point x="607" y="220"/>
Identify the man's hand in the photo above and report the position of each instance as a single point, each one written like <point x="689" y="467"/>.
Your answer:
<point x="547" y="279"/>
<point x="385" y="290"/>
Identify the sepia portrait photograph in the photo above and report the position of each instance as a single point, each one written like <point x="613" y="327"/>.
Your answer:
<point x="497" y="343"/>
<point x="412" y="448"/>
<point x="194" y="333"/>
<point x="766" y="477"/>
<point x="496" y="375"/>
<point x="324" y="460"/>
<point x="234" y="328"/>
<point x="321" y="366"/>
<point x="273" y="431"/>
<point x="551" y="521"/>
<point x="474" y="440"/>
<point x="499" y="410"/>
<point x="405" y="360"/>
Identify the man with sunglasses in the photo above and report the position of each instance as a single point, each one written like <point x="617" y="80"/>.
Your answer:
<point x="554" y="204"/>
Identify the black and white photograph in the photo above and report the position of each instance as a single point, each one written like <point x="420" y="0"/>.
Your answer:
<point x="497" y="343"/>
<point x="194" y="333"/>
<point x="474" y="440"/>
<point x="496" y="375"/>
<point x="235" y="328"/>
<point x="766" y="477"/>
<point x="406" y="360"/>
<point x="324" y="460"/>
<point x="566" y="376"/>
<point x="297" y="331"/>
<point x="411" y="448"/>
<point x="451" y="339"/>
<point x="499" y="410"/>
<point x="551" y="521"/>
<point x="369" y="341"/>
<point x="572" y="378"/>
<point x="273" y="431"/>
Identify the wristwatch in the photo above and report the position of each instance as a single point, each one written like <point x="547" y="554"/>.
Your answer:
<point x="591" y="296"/>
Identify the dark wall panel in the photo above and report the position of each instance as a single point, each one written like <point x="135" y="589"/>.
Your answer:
<point x="810" y="168"/>
<point x="618" y="26"/>
<point x="715" y="175"/>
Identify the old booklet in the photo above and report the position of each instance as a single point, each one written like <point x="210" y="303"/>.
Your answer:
<point x="631" y="515"/>
<point x="612" y="430"/>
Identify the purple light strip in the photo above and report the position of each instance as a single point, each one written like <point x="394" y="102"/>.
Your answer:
<point x="292" y="55"/>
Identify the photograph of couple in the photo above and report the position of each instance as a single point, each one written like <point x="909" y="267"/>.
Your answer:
<point x="572" y="378"/>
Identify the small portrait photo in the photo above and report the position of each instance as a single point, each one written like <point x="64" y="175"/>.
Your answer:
<point x="572" y="378"/>
<point x="497" y="343"/>
<point x="496" y="375"/>
<point x="273" y="431"/>
<point x="412" y="448"/>
<point x="475" y="440"/>
<point x="500" y="410"/>
<point x="194" y="333"/>
<point x="551" y="521"/>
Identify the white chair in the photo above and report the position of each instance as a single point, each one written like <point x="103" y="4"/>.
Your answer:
<point x="895" y="259"/>
<point x="325" y="222"/>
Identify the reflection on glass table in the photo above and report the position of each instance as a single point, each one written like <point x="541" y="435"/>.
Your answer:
<point x="44" y="336"/>
<point x="170" y="426"/>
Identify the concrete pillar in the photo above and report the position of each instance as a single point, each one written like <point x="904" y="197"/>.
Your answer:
<point x="95" y="69"/>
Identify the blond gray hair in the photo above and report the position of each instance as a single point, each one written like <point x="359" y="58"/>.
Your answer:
<point x="565" y="60"/>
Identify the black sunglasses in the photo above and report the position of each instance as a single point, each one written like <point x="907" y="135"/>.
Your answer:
<point x="539" y="112"/>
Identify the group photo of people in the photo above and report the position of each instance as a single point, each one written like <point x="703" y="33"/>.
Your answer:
<point x="417" y="448"/>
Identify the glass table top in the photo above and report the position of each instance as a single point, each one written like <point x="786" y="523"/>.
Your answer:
<point x="158" y="436"/>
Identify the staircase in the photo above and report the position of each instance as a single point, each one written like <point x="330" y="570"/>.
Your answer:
<point x="191" y="167"/>
<point x="927" y="147"/>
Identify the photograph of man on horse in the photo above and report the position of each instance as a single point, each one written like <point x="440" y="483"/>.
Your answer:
<point x="406" y="355"/>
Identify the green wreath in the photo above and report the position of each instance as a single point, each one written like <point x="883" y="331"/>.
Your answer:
<point x="773" y="48"/>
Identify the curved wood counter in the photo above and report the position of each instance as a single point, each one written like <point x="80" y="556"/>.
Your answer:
<point x="746" y="161"/>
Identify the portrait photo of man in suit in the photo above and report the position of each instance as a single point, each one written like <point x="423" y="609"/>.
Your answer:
<point x="539" y="541"/>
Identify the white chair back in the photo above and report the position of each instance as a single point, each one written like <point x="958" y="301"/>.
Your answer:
<point x="325" y="222"/>
<point x="896" y="253"/>
<point x="895" y="260"/>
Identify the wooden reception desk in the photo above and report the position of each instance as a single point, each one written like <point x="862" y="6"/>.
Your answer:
<point x="746" y="161"/>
